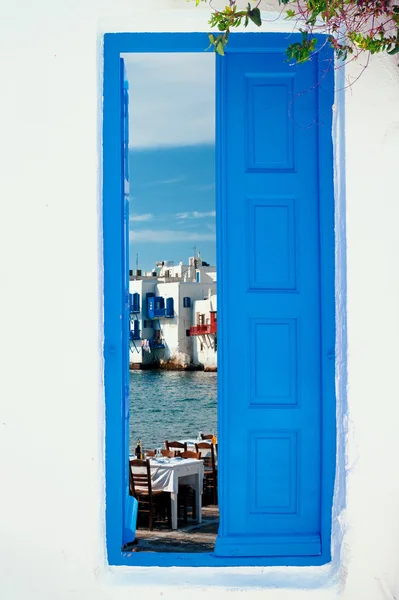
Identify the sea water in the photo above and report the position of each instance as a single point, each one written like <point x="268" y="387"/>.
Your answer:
<point x="171" y="405"/>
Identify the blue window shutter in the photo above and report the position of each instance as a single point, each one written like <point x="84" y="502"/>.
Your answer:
<point x="276" y="251"/>
<point x="134" y="302"/>
<point x="150" y="305"/>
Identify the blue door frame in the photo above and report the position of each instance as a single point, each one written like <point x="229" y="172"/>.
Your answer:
<point x="116" y="375"/>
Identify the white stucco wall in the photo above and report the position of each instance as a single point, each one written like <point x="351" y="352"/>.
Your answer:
<point x="206" y="274"/>
<point x="52" y="405"/>
<point x="175" y="346"/>
<point x="193" y="291"/>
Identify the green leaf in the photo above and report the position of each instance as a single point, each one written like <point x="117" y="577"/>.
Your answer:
<point x="290" y="13"/>
<point x="394" y="50"/>
<point x="219" y="48"/>
<point x="255" y="17"/>
<point x="211" y="38"/>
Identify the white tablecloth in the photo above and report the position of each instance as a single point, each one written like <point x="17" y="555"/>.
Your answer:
<point x="166" y="472"/>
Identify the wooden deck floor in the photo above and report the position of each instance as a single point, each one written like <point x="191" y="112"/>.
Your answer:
<point x="189" y="538"/>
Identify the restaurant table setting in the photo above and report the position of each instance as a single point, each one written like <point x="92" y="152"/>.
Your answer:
<point x="191" y="446"/>
<point x="168" y="473"/>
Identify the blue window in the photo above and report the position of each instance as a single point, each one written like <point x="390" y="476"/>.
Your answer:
<point x="155" y="307"/>
<point x="169" y="310"/>
<point x="135" y="330"/>
<point x="275" y="246"/>
<point x="134" y="302"/>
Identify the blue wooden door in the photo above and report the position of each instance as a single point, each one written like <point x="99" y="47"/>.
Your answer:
<point x="130" y="506"/>
<point x="275" y="254"/>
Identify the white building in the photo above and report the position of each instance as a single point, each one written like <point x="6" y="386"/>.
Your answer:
<point x="161" y="318"/>
<point x="197" y="270"/>
<point x="204" y="333"/>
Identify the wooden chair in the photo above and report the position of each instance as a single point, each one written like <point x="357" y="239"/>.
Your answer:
<point x="168" y="453"/>
<point x="176" y="447"/>
<point x="210" y="471"/>
<point x="208" y="436"/>
<point x="150" y="501"/>
<point x="149" y="453"/>
<point x="190" y="454"/>
<point x="186" y="495"/>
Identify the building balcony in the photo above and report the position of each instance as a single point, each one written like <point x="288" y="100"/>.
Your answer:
<point x="209" y="329"/>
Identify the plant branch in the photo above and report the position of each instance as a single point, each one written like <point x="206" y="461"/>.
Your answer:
<point x="370" y="26"/>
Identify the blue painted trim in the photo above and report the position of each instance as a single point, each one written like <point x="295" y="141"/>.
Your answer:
<point x="156" y="42"/>
<point x="124" y="127"/>
<point x="221" y="257"/>
<point x="325" y="93"/>
<point x="115" y="302"/>
<point x="159" y="559"/>
<point x="114" y="278"/>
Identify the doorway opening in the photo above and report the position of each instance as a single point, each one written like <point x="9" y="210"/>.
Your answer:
<point x="275" y="317"/>
<point x="170" y="157"/>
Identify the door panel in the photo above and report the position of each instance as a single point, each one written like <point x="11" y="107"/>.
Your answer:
<point x="270" y="299"/>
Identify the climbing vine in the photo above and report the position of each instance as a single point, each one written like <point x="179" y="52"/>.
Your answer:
<point x="352" y="26"/>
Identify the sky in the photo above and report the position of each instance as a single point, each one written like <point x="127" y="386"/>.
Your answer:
<point x="171" y="157"/>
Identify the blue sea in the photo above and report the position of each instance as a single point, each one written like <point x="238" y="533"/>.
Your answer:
<point x="171" y="405"/>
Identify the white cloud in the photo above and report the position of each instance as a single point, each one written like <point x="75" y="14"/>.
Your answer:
<point x="171" y="99"/>
<point x="163" y="182"/>
<point x="167" y="236"/>
<point x="146" y="217"/>
<point x="195" y="214"/>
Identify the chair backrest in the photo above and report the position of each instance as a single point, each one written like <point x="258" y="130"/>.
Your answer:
<point x="179" y="446"/>
<point x="149" y="452"/>
<point x="190" y="454"/>
<point x="208" y="436"/>
<point x="140" y="477"/>
<point x="168" y="453"/>
<point x="207" y="454"/>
